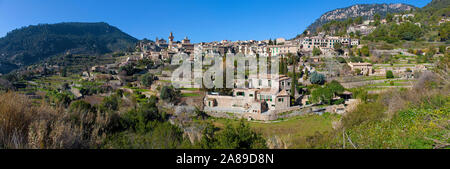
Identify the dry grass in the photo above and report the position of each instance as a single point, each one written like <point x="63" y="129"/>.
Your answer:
<point x="23" y="125"/>
<point x="427" y="86"/>
<point x="16" y="114"/>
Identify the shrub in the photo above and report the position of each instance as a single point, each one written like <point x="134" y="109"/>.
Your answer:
<point x="326" y="94"/>
<point x="444" y="31"/>
<point x="408" y="70"/>
<point x="339" y="101"/>
<point x="238" y="136"/>
<point x="322" y="94"/>
<point x="356" y="59"/>
<point x="358" y="71"/>
<point x="59" y="99"/>
<point x="23" y="125"/>
<point x="442" y="49"/>
<point x="335" y="87"/>
<point x="316" y="51"/>
<point x="391" y="83"/>
<point x="80" y="105"/>
<point x="365" y="51"/>
<point x="129" y="69"/>
<point x="364" y="112"/>
<point x="162" y="136"/>
<point x="147" y="79"/>
<point x="341" y="60"/>
<point x="389" y="74"/>
<point x="111" y="103"/>
<point x="317" y="78"/>
<point x="169" y="93"/>
<point x="361" y="94"/>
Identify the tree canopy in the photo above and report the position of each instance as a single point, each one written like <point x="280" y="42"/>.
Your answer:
<point x="147" y="79"/>
<point x="317" y="78"/>
<point x="326" y="93"/>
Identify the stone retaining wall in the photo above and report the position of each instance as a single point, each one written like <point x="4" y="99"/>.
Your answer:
<point x="267" y="116"/>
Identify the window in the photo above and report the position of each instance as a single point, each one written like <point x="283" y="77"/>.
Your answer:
<point x="251" y="95"/>
<point x="282" y="83"/>
<point x="289" y="83"/>
<point x="270" y="83"/>
<point x="240" y="94"/>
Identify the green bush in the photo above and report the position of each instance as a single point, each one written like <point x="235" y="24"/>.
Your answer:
<point x="111" y="102"/>
<point x="316" y="51"/>
<point x="365" y="51"/>
<point x="81" y="106"/>
<point x="444" y="32"/>
<point x="326" y="93"/>
<point x="389" y="74"/>
<point x="147" y="79"/>
<point x="162" y="136"/>
<point x="356" y="59"/>
<point x="62" y="99"/>
<point x="341" y="60"/>
<point x="317" y="78"/>
<point x="238" y="136"/>
<point x="129" y="69"/>
<point x="442" y="49"/>
<point x="169" y="93"/>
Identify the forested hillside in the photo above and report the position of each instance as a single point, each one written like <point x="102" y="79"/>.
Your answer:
<point x="30" y="44"/>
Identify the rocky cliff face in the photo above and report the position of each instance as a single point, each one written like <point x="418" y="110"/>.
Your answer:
<point x="364" y="10"/>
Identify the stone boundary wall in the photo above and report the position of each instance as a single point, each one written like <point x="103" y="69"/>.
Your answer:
<point x="267" y="116"/>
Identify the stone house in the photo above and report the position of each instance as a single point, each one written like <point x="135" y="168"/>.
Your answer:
<point x="325" y="43"/>
<point x="264" y="94"/>
<point x="366" y="68"/>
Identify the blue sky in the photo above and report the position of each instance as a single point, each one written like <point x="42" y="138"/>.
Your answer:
<point x="200" y="20"/>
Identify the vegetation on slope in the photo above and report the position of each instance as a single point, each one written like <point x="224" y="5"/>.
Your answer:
<point x="423" y="26"/>
<point x="364" y="11"/>
<point x="31" y="44"/>
<point x="405" y="118"/>
<point x="118" y="122"/>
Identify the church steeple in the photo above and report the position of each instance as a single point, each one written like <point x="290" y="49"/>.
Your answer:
<point x="171" y="37"/>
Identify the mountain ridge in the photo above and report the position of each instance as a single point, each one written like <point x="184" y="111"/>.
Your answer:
<point x="364" y="10"/>
<point x="30" y="44"/>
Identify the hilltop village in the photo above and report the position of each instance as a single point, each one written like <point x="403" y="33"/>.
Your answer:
<point x="311" y="60"/>
<point x="306" y="63"/>
<point x="319" y="59"/>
